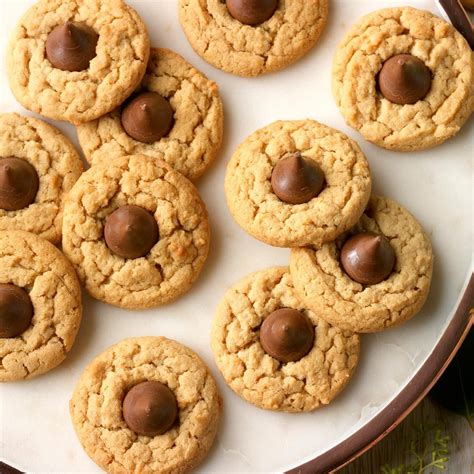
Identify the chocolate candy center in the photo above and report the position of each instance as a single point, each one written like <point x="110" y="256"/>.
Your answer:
<point x="404" y="79"/>
<point x="287" y="335"/>
<point x="150" y="408"/>
<point x="16" y="310"/>
<point x="19" y="184"/>
<point x="296" y="180"/>
<point x="71" y="46"/>
<point x="131" y="232"/>
<point x="368" y="258"/>
<point x="252" y="12"/>
<point x="148" y="117"/>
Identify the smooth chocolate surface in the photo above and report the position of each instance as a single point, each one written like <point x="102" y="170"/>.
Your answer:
<point x="148" y="117"/>
<point x="19" y="184"/>
<point x="16" y="310"/>
<point x="252" y="12"/>
<point x="296" y="180"/>
<point x="71" y="46"/>
<point x="131" y="232"/>
<point x="368" y="258"/>
<point x="150" y="408"/>
<point x="287" y="335"/>
<point x="404" y="79"/>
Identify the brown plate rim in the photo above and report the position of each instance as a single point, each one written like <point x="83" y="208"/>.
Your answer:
<point x="408" y="398"/>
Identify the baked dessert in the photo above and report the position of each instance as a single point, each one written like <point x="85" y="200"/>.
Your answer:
<point x="404" y="79"/>
<point x="274" y="352"/>
<point x="136" y="231"/>
<point x="252" y="37"/>
<point x="176" y="115"/>
<point x="146" y="405"/>
<point x="296" y="183"/>
<point x="38" y="167"/>
<point x="76" y="60"/>
<point x="374" y="277"/>
<point x="40" y="306"/>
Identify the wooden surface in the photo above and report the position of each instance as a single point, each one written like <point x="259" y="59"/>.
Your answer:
<point x="392" y="450"/>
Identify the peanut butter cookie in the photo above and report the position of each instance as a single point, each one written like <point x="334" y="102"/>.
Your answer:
<point x="297" y="183"/>
<point x="189" y="143"/>
<point x="358" y="302"/>
<point x="269" y="36"/>
<point x="137" y="384"/>
<point x="404" y="79"/>
<point x="77" y="60"/>
<point x="40" y="306"/>
<point x="274" y="352"/>
<point x="136" y="231"/>
<point x="38" y="166"/>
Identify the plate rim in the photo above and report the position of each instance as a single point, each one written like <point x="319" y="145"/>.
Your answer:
<point x="407" y="399"/>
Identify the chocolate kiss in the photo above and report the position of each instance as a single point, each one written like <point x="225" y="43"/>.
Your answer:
<point x="71" y="46"/>
<point x="404" y="79"/>
<point x="368" y="258"/>
<point x="296" y="180"/>
<point x="252" y="12"/>
<point x="19" y="184"/>
<point x="148" y="117"/>
<point x="287" y="335"/>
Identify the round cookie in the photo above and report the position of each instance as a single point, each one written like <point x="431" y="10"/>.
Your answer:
<point x="259" y="378"/>
<point x="246" y="50"/>
<point x="38" y="267"/>
<point x="324" y="286"/>
<point x="404" y="127"/>
<point x="173" y="263"/>
<point x="78" y="96"/>
<point x="258" y="210"/>
<point x="56" y="164"/>
<point x="96" y="407"/>
<point x="196" y="136"/>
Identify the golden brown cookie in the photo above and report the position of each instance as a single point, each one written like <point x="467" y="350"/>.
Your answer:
<point x="96" y="407"/>
<point x="78" y="96"/>
<point x="404" y="127"/>
<point x="246" y="50"/>
<point x="193" y="142"/>
<point x="56" y="164"/>
<point x="35" y="265"/>
<point x="258" y="210"/>
<point x="324" y="286"/>
<point x="170" y="266"/>
<point x="259" y="378"/>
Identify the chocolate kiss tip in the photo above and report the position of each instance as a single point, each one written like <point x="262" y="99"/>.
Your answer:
<point x="297" y="160"/>
<point x="145" y="107"/>
<point x="375" y="242"/>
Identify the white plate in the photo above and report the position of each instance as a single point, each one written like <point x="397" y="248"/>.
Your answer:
<point x="36" y="432"/>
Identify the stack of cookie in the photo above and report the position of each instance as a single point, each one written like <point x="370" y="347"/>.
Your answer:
<point x="286" y="339"/>
<point x="136" y="231"/>
<point x="132" y="226"/>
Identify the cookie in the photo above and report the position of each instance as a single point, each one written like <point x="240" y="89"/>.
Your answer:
<point x="136" y="231"/>
<point x="40" y="306"/>
<point x="305" y="382"/>
<point x="430" y="117"/>
<point x="196" y="134"/>
<point x="32" y="191"/>
<point x="251" y="189"/>
<point x="99" y="421"/>
<point x="324" y="286"/>
<point x="77" y="60"/>
<point x="290" y="31"/>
